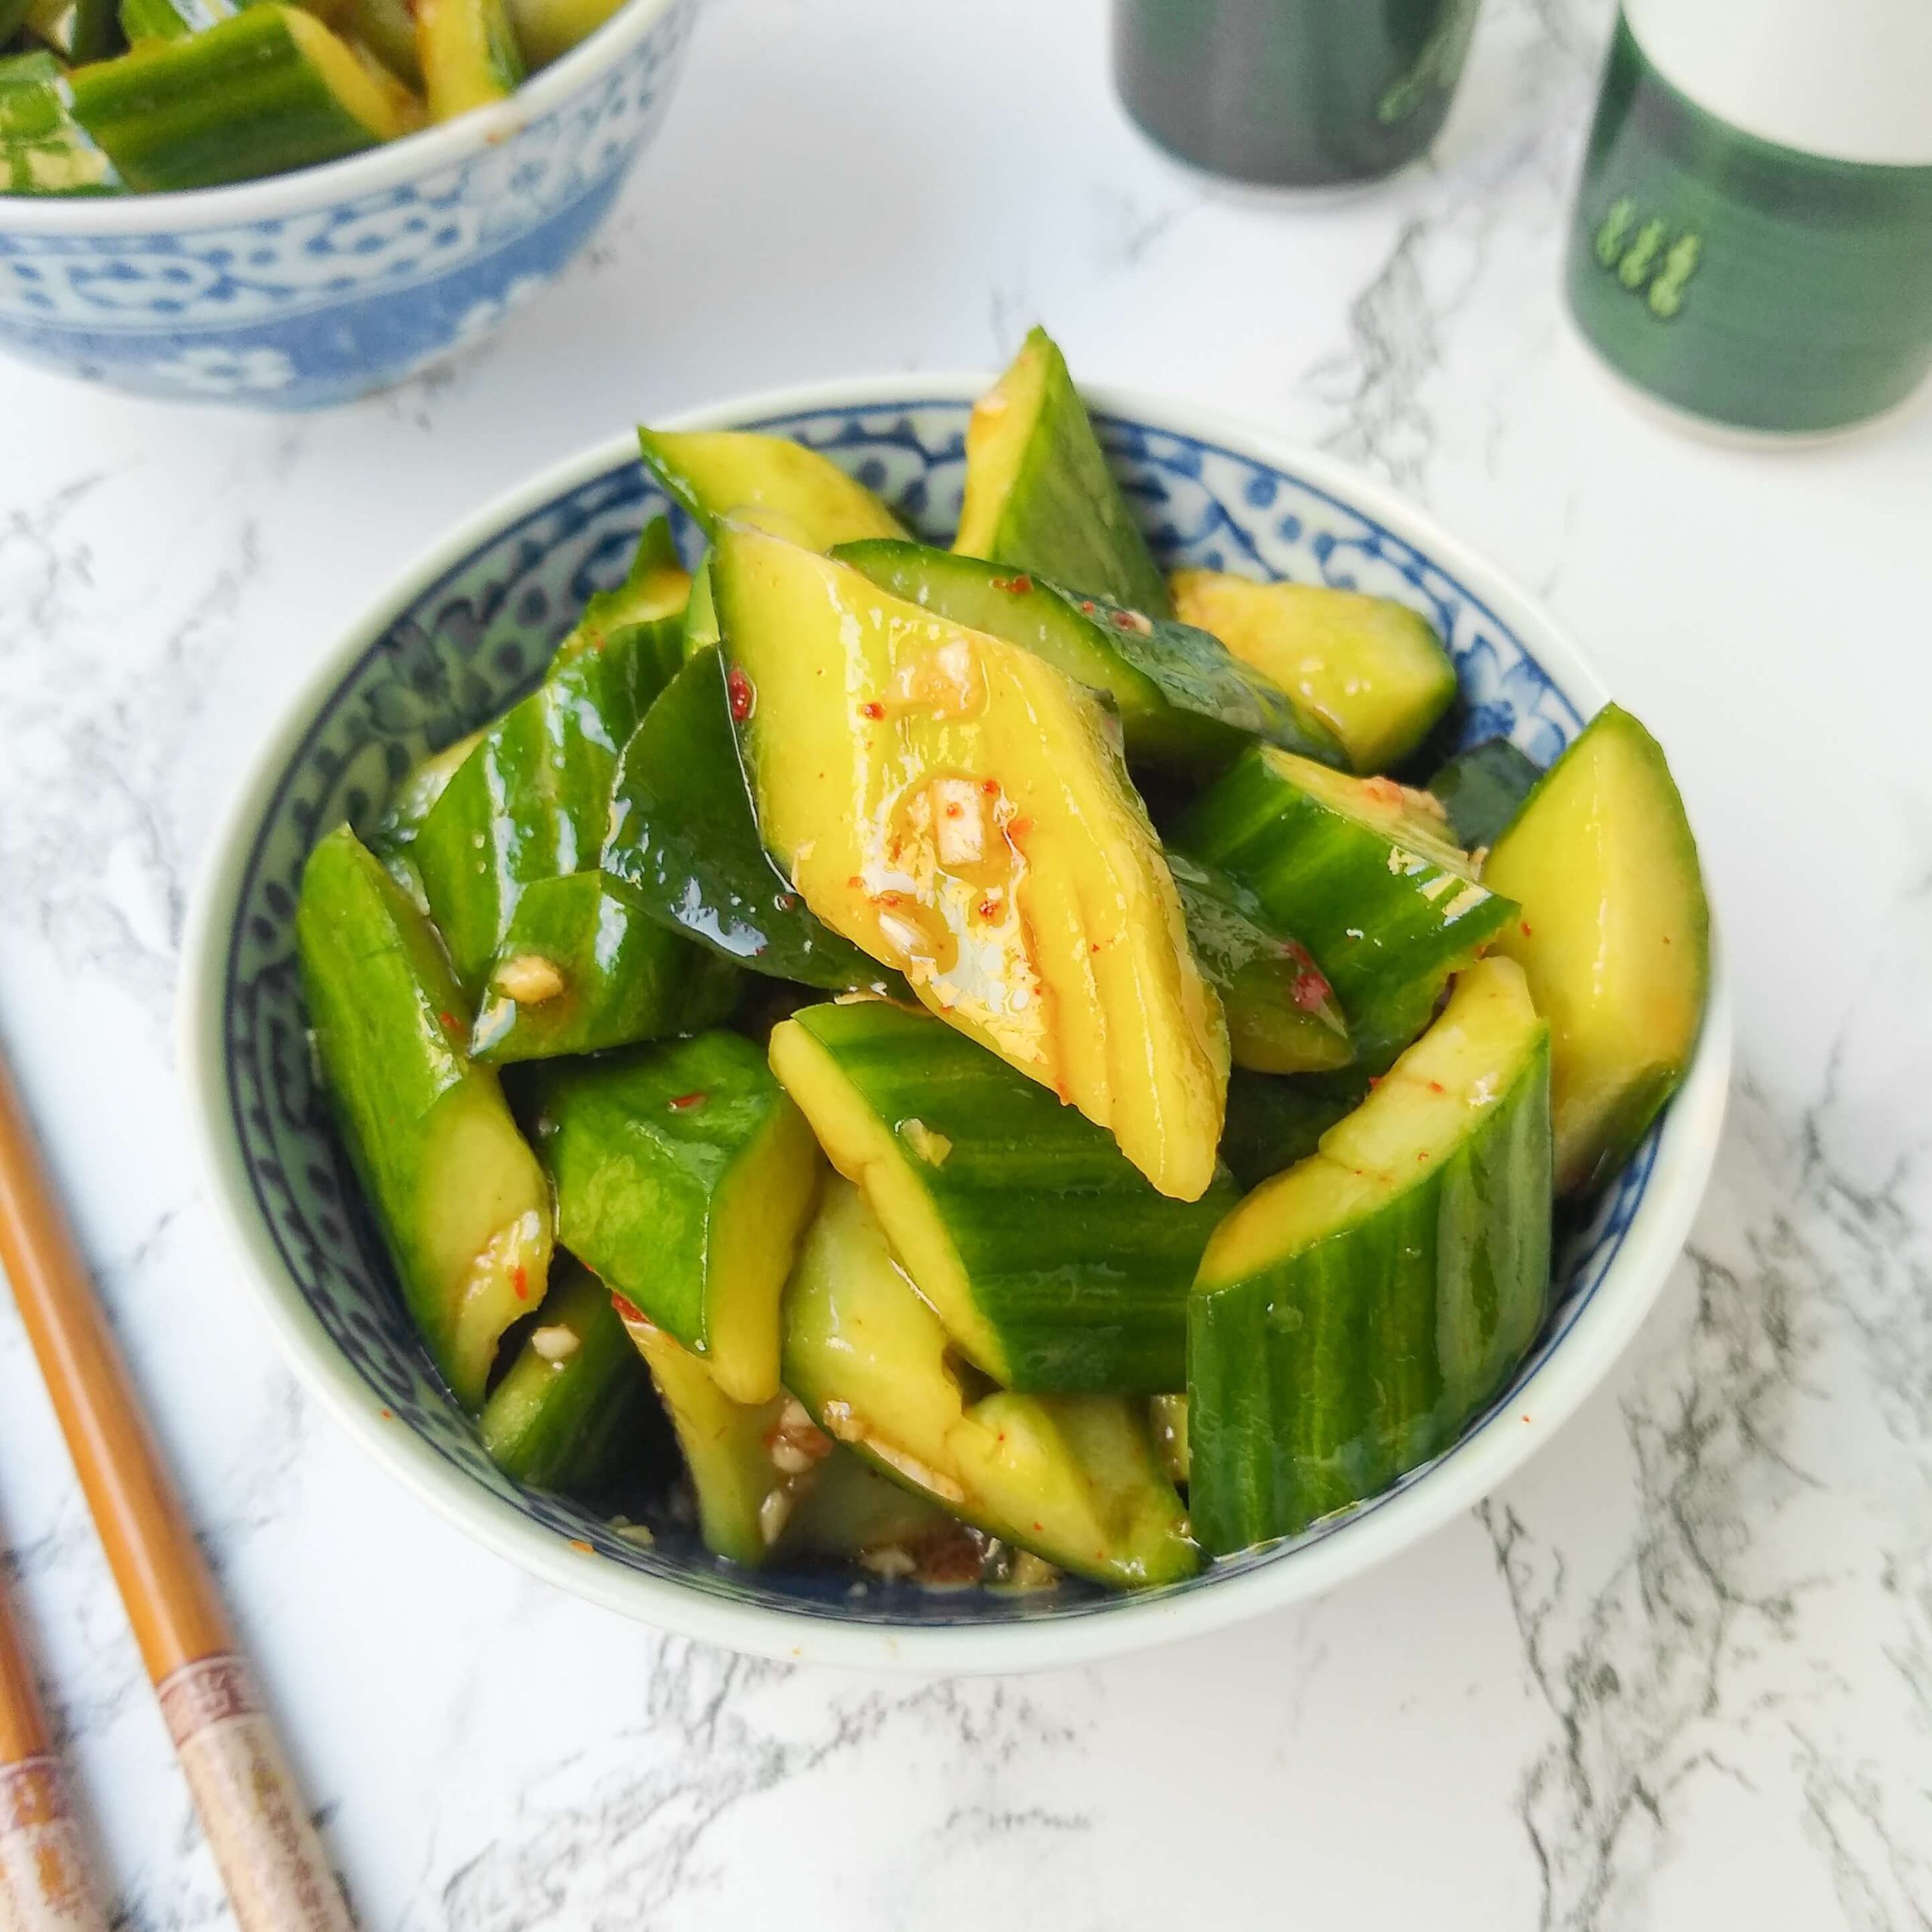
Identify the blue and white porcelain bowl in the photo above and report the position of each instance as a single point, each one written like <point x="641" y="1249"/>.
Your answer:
<point x="317" y="286"/>
<point x="466" y="630"/>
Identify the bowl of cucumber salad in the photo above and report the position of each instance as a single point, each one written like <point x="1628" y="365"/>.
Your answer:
<point x="956" y="1024"/>
<point x="288" y="206"/>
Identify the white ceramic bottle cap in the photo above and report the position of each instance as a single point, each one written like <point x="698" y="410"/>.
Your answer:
<point x="1850" y="79"/>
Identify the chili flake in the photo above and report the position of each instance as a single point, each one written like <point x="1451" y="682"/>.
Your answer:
<point x="744" y="699"/>
<point x="520" y="1280"/>
<point x="685" y="1100"/>
<point x="871" y="708"/>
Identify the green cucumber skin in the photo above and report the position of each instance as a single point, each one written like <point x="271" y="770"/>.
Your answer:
<point x="1386" y="947"/>
<point x="1317" y="1383"/>
<point x="683" y="837"/>
<point x="1183" y="698"/>
<point x="532" y="801"/>
<point x="1274" y="1120"/>
<point x="44" y="150"/>
<point x="627" y="978"/>
<point x="388" y="1020"/>
<point x="573" y="1425"/>
<point x="1065" y="517"/>
<point x="638" y="1175"/>
<point x="1081" y="1268"/>
<point x="1259" y="974"/>
<point x="237" y="103"/>
<point x="633" y="606"/>
<point x="1483" y="789"/>
<point x="171" y="19"/>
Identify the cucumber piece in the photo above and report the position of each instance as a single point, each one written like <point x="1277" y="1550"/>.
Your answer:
<point x="1040" y="496"/>
<point x="851" y="1511"/>
<point x="1365" y="873"/>
<point x="1482" y="790"/>
<point x="1166" y="1417"/>
<point x="12" y="17"/>
<point x="1183" y="697"/>
<point x="683" y="1176"/>
<point x="44" y="150"/>
<point x="270" y="90"/>
<point x="1274" y="1122"/>
<point x="584" y="966"/>
<point x="171" y="19"/>
<point x="959" y="810"/>
<point x="1372" y="669"/>
<point x="1354" y="1313"/>
<point x="402" y="817"/>
<point x="461" y="1202"/>
<point x="388" y="29"/>
<point x="1073" y="1478"/>
<point x="532" y="801"/>
<point x="769" y="481"/>
<point x="701" y="631"/>
<point x="683" y="838"/>
<point x="547" y="29"/>
<point x="1052" y="1262"/>
<point x="468" y="54"/>
<point x="1282" y="1015"/>
<point x="570" y="1411"/>
<point x="78" y="31"/>
<point x="749" y="1462"/>
<point x="1615" y="934"/>
<point x="654" y="594"/>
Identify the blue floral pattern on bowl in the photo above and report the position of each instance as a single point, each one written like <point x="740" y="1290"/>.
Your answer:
<point x="347" y="293"/>
<point x="474" y="639"/>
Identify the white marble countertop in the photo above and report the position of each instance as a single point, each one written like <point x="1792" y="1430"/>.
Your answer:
<point x="1677" y="1674"/>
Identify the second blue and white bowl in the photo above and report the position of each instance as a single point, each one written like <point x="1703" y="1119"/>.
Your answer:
<point x="316" y="286"/>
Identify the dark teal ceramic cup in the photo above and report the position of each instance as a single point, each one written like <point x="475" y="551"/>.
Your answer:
<point x="1292" y="94"/>
<point x="1752" y="239"/>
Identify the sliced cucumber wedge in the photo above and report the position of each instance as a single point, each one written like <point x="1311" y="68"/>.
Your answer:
<point x="548" y="29"/>
<point x="1482" y="790"/>
<point x="749" y="1462"/>
<point x="1352" y="1314"/>
<point x="1282" y="1015"/>
<point x="468" y="54"/>
<point x="1365" y="873"/>
<point x="959" y="810"/>
<point x="1073" y="1478"/>
<point x="1053" y="1263"/>
<point x="1183" y="697"/>
<point x="585" y="967"/>
<point x="43" y="149"/>
<point x="768" y="480"/>
<point x="462" y="1204"/>
<point x="1371" y="669"/>
<point x="1615" y="934"/>
<point x="270" y="90"/>
<point x="532" y="800"/>
<point x="683" y="837"/>
<point x="683" y="1176"/>
<point x="570" y="1412"/>
<point x="1040" y="495"/>
<point x="654" y="594"/>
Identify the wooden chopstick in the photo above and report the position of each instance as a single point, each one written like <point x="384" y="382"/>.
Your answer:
<point x="271" y="1860"/>
<point x="44" y="1886"/>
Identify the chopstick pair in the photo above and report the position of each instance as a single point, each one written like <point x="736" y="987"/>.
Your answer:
<point x="270" y="1859"/>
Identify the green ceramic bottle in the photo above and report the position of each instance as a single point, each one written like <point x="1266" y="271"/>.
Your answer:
<point x="1303" y="94"/>
<point x="1752" y="240"/>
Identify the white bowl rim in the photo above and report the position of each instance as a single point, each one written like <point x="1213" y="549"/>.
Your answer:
<point x="276" y="197"/>
<point x="1473" y="1467"/>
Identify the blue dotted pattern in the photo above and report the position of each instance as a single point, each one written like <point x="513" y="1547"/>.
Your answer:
<point x="474" y="640"/>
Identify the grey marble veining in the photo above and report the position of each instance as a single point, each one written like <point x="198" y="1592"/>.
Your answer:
<point x="1677" y="1673"/>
